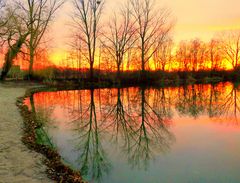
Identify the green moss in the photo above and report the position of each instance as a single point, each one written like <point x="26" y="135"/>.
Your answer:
<point x="42" y="138"/>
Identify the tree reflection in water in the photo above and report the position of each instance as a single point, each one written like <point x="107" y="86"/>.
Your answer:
<point x="140" y="132"/>
<point x="42" y="118"/>
<point x="143" y="131"/>
<point x="221" y="102"/>
<point x="213" y="98"/>
<point x="136" y="120"/>
<point x="120" y="121"/>
<point x="151" y="134"/>
<point x="92" y="157"/>
<point x="229" y="108"/>
<point x="190" y="100"/>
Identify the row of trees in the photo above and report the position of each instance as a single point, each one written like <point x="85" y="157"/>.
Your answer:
<point x="219" y="53"/>
<point x="138" y="25"/>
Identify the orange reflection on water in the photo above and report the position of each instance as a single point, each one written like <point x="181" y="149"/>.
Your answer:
<point x="219" y="102"/>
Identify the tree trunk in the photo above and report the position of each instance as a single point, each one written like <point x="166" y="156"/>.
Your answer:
<point x="11" y="55"/>
<point x="118" y="72"/>
<point x="91" y="72"/>
<point x="119" y="61"/>
<point x="31" y="61"/>
<point x="7" y="64"/>
<point x="143" y="73"/>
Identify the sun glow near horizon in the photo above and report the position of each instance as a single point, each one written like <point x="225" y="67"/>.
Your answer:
<point x="57" y="56"/>
<point x="64" y="58"/>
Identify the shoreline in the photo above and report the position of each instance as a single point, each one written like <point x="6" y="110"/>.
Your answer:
<point x="56" y="169"/>
<point x="17" y="162"/>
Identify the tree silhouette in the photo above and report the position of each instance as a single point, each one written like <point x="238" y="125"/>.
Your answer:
<point x="121" y="36"/>
<point x="86" y="19"/>
<point x="92" y="157"/>
<point x="37" y="15"/>
<point x="152" y="28"/>
<point x="230" y="47"/>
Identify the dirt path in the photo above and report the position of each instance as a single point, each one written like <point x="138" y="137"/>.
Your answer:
<point x="17" y="163"/>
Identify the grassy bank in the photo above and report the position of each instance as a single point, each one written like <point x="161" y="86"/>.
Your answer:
<point x="56" y="170"/>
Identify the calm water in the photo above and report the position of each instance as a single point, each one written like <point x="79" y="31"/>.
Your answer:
<point x="135" y="135"/>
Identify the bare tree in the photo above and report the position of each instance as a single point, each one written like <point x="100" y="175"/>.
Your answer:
<point x="39" y="14"/>
<point x="163" y="55"/>
<point x="121" y="37"/>
<point x="5" y="17"/>
<point x="214" y="54"/>
<point x="152" y="26"/>
<point x="26" y="23"/>
<point x="183" y="56"/>
<point x="13" y="36"/>
<point x="194" y="53"/>
<point x="86" y="21"/>
<point x="76" y="48"/>
<point x="2" y="5"/>
<point x="203" y="56"/>
<point x="230" y="46"/>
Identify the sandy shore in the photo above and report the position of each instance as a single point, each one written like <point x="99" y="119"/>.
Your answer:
<point x="17" y="163"/>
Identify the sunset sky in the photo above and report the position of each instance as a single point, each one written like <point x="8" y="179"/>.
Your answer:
<point x="194" y="19"/>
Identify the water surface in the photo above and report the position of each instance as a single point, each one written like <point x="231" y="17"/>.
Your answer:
<point x="138" y="135"/>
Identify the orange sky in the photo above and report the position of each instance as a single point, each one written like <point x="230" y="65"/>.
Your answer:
<point x="195" y="19"/>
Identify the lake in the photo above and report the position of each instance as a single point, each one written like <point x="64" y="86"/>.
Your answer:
<point x="188" y="134"/>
